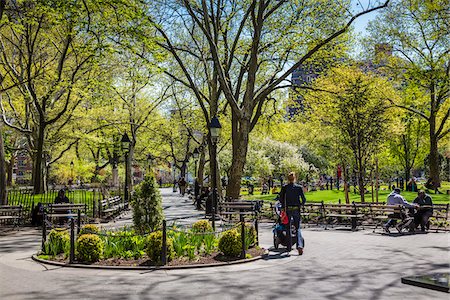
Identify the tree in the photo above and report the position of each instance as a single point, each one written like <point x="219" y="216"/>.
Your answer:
<point x="407" y="145"/>
<point x="354" y="106"/>
<point x="419" y="34"/>
<point x="147" y="206"/>
<point x="46" y="52"/>
<point x="247" y="49"/>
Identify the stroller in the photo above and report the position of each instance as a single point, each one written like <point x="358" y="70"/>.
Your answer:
<point x="280" y="233"/>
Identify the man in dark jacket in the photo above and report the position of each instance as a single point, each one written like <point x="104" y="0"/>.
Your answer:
<point x="61" y="198"/>
<point x="424" y="211"/>
<point x="290" y="196"/>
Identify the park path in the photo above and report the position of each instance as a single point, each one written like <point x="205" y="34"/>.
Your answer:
<point x="336" y="265"/>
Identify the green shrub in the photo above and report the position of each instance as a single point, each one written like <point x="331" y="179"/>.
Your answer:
<point x="154" y="247"/>
<point x="250" y="235"/>
<point x="89" y="248"/>
<point x="147" y="206"/>
<point x="124" y="244"/>
<point x="230" y="243"/>
<point x="210" y="243"/>
<point x="202" y="226"/>
<point x="58" y="242"/>
<point x="180" y="241"/>
<point x="89" y="229"/>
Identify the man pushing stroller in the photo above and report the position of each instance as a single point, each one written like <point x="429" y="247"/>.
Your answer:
<point x="290" y="195"/>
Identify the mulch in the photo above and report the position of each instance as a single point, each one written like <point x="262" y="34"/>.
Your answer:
<point x="213" y="258"/>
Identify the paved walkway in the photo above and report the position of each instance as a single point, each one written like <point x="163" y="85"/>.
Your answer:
<point x="336" y="265"/>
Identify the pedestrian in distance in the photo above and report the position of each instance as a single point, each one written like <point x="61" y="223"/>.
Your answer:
<point x="292" y="198"/>
<point x="182" y="185"/>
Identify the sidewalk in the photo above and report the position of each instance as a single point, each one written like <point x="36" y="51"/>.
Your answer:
<point x="336" y="265"/>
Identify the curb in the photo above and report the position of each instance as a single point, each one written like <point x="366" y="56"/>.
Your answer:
<point x="100" y="267"/>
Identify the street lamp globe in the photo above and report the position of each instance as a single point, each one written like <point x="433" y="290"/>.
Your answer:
<point x="214" y="128"/>
<point x="125" y="142"/>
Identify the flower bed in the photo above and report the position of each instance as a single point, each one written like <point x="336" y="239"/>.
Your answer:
<point x="193" y="246"/>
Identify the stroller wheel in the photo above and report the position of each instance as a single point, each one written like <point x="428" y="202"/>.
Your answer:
<point x="276" y="241"/>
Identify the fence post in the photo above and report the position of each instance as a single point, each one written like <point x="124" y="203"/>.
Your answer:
<point x="78" y="222"/>
<point x="72" y="242"/>
<point x="93" y="208"/>
<point x="164" y="244"/>
<point x="44" y="231"/>
<point x="257" y="231"/>
<point x="99" y="208"/>
<point x="241" y="217"/>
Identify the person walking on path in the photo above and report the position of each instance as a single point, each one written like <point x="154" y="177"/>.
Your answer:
<point x="182" y="185"/>
<point x="290" y="195"/>
<point x="424" y="211"/>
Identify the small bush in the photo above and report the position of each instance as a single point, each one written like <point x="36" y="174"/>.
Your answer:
<point x="230" y="243"/>
<point x="147" y="206"/>
<point x="154" y="247"/>
<point x="58" y="242"/>
<point x="250" y="235"/>
<point x="202" y="226"/>
<point x="89" y="248"/>
<point x="89" y="229"/>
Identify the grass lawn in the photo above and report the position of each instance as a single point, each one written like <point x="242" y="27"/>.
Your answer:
<point x="333" y="196"/>
<point x="75" y="196"/>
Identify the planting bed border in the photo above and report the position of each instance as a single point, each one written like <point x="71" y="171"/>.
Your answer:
<point x="195" y="266"/>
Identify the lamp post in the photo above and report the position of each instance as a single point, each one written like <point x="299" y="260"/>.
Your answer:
<point x="71" y="170"/>
<point x="150" y="160"/>
<point x="195" y="154"/>
<point x="214" y="130"/>
<point x="126" y="148"/>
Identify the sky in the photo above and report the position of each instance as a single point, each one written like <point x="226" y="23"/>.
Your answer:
<point x="362" y="22"/>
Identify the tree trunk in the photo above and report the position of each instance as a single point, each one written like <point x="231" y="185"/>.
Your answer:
<point x="361" y="184"/>
<point x="38" y="183"/>
<point x="129" y="168"/>
<point x="434" y="155"/>
<point x="9" y="171"/>
<point x="434" y="160"/>
<point x="347" y="198"/>
<point x="3" y="194"/>
<point x="240" y="147"/>
<point x="201" y="168"/>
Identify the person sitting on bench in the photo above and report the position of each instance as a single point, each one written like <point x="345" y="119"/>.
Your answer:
<point x="61" y="199"/>
<point x="395" y="198"/>
<point x="425" y="210"/>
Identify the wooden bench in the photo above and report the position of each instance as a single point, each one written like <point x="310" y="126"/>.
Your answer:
<point x="440" y="214"/>
<point x="111" y="207"/>
<point x="65" y="210"/>
<point x="238" y="207"/>
<point x="11" y="213"/>
<point x="61" y="212"/>
<point x="342" y="211"/>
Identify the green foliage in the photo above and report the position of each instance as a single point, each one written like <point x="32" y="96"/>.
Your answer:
<point x="154" y="247"/>
<point x="250" y="235"/>
<point x="57" y="242"/>
<point x="124" y="244"/>
<point x="147" y="207"/>
<point x="89" y="229"/>
<point x="230" y="243"/>
<point x="89" y="248"/>
<point x="202" y="226"/>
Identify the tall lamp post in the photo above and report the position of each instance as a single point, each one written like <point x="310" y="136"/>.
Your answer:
<point x="71" y="170"/>
<point x="126" y="148"/>
<point x="214" y="130"/>
<point x="195" y="154"/>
